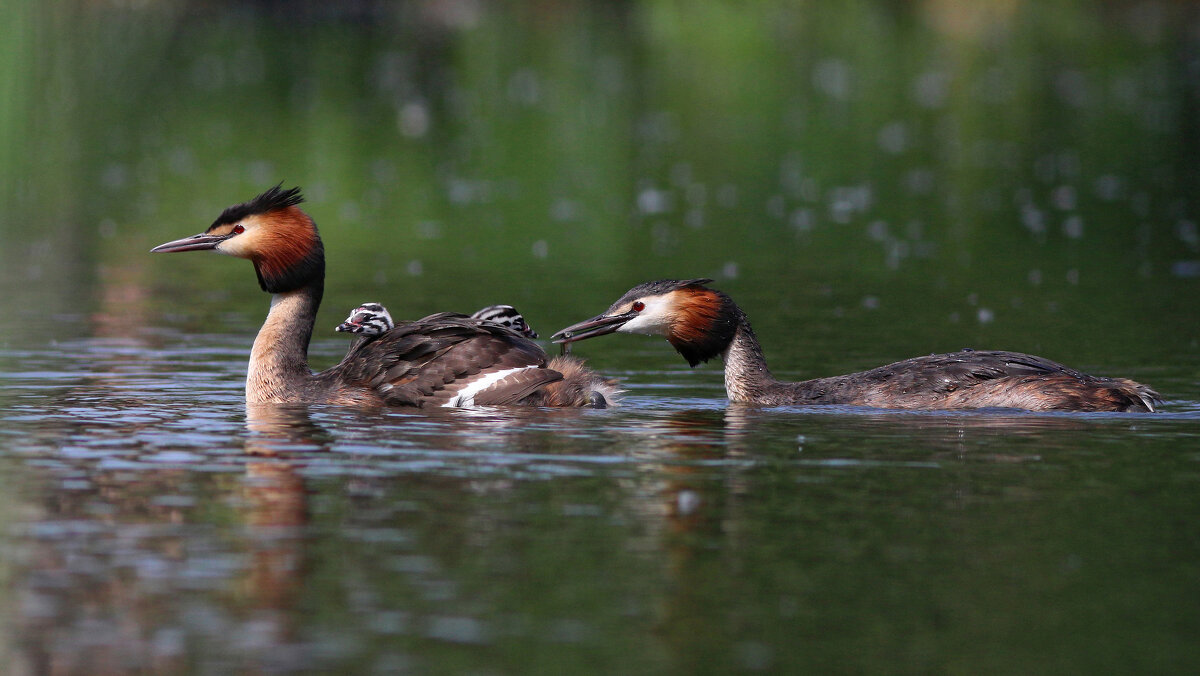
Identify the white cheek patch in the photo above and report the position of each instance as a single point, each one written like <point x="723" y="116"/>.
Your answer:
<point x="242" y="245"/>
<point x="238" y="245"/>
<point x="225" y="248"/>
<point x="653" y="320"/>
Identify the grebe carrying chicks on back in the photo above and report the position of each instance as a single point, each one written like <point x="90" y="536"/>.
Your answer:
<point x="444" y="359"/>
<point x="702" y="323"/>
<point x="579" y="387"/>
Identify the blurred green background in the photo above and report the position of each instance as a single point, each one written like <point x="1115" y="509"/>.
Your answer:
<point x="871" y="179"/>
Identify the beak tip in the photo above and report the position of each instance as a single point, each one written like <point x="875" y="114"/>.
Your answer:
<point x="562" y="337"/>
<point x="596" y="326"/>
<point x="201" y="242"/>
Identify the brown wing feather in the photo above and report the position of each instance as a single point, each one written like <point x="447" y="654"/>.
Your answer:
<point x="429" y="361"/>
<point x="973" y="379"/>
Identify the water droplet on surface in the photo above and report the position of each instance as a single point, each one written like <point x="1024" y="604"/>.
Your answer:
<point x="930" y="89"/>
<point x="524" y="88"/>
<point x="1188" y="233"/>
<point x="893" y="138"/>
<point x="1063" y="197"/>
<point x="832" y="77"/>
<point x="1073" y="227"/>
<point x="428" y="230"/>
<point x="755" y="655"/>
<point x="802" y="220"/>
<point x="687" y="502"/>
<point x="563" y="209"/>
<point x="413" y="119"/>
<point x="653" y="201"/>
<point x="457" y="630"/>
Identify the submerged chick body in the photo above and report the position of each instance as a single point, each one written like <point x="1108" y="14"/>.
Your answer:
<point x="702" y="323"/>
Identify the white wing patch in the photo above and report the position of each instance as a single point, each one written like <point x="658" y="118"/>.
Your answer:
<point x="466" y="396"/>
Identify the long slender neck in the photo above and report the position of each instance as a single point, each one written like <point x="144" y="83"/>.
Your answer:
<point x="747" y="377"/>
<point x="749" y="381"/>
<point x="278" y="367"/>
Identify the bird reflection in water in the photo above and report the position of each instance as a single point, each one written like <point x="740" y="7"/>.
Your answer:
<point x="274" y="504"/>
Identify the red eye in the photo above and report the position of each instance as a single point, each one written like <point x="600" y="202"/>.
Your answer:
<point x="238" y="229"/>
<point x="639" y="306"/>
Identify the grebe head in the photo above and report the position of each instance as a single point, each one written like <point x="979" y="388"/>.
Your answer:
<point x="368" y="319"/>
<point x="272" y="232"/>
<point x="698" y="321"/>
<point x="507" y="316"/>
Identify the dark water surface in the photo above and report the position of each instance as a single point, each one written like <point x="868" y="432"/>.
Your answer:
<point x="153" y="522"/>
<point x="870" y="181"/>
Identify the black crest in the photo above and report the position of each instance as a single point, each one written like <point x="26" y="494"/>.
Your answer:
<point x="271" y="200"/>
<point x="656" y="288"/>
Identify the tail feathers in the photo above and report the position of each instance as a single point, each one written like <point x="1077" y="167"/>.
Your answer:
<point x="1138" y="397"/>
<point x="1052" y="392"/>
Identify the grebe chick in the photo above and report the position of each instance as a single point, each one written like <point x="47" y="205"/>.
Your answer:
<point x="367" y="320"/>
<point x="702" y="323"/>
<point x="508" y="317"/>
<point x="444" y="359"/>
<point x="372" y="319"/>
<point x="580" y="386"/>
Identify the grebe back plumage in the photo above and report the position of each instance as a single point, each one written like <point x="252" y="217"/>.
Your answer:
<point x="702" y="323"/>
<point x="444" y="359"/>
<point x="579" y="387"/>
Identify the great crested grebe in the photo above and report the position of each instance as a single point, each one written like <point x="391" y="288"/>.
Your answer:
<point x="444" y="359"/>
<point x="580" y="386"/>
<point x="702" y="323"/>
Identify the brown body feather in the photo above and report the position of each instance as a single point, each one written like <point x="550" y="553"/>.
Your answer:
<point x="969" y="379"/>
<point x="430" y="361"/>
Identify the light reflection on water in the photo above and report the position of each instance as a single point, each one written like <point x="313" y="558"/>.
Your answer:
<point x="156" y="523"/>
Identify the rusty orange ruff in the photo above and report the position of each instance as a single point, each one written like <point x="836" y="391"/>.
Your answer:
<point x="288" y="241"/>
<point x="696" y="310"/>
